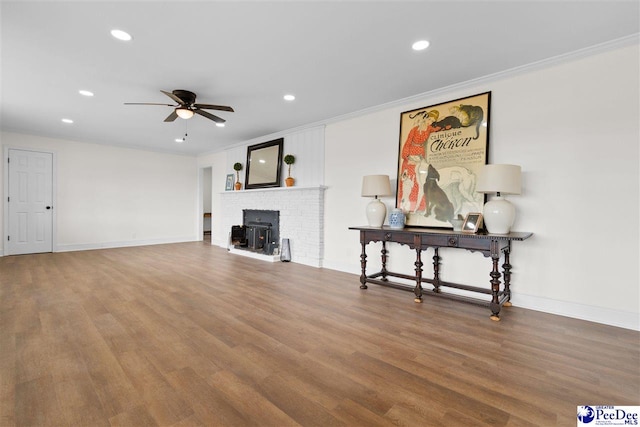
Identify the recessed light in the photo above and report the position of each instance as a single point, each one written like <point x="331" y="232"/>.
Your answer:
<point x="220" y="125"/>
<point x="289" y="97"/>
<point x="179" y="140"/>
<point x="85" y="92"/>
<point x="69" y="121"/>
<point x="121" y="35"/>
<point x="420" y="45"/>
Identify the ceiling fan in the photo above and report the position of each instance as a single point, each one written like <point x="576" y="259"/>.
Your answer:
<point x="186" y="106"/>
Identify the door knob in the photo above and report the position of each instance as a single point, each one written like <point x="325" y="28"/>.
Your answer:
<point x="48" y="207"/>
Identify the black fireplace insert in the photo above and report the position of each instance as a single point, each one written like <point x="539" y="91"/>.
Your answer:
<point x="259" y="232"/>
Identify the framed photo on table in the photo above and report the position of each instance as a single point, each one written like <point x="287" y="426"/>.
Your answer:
<point x="442" y="149"/>
<point x="472" y="222"/>
<point x="228" y="186"/>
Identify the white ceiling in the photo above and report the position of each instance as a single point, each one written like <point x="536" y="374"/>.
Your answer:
<point x="336" y="57"/>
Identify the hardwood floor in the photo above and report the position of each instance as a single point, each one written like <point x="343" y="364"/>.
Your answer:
<point x="189" y="334"/>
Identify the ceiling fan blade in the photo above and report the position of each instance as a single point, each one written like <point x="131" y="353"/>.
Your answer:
<point x="214" y="107"/>
<point x="172" y="96"/>
<point x="147" y="103"/>
<point x="209" y="116"/>
<point x="171" y="117"/>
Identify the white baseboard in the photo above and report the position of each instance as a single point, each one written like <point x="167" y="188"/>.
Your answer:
<point x="311" y="262"/>
<point x="217" y="242"/>
<point x="606" y="316"/>
<point x="344" y="267"/>
<point x="122" y="244"/>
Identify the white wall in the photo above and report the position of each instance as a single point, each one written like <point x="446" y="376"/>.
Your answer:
<point x="206" y="189"/>
<point x="218" y="164"/>
<point x="574" y="128"/>
<point x="110" y="197"/>
<point x="306" y="145"/>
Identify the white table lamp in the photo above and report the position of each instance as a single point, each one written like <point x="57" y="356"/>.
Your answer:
<point x="499" y="214"/>
<point x="376" y="186"/>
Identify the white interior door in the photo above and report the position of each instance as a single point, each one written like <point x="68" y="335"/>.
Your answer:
<point x="30" y="202"/>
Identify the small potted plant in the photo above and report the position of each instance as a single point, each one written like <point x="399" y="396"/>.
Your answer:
<point x="237" y="167"/>
<point x="289" y="159"/>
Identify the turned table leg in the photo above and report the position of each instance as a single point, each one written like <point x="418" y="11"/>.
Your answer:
<point x="436" y="271"/>
<point x="383" y="254"/>
<point x="506" y="274"/>
<point x="495" y="282"/>
<point x="418" y="289"/>
<point x="363" y="266"/>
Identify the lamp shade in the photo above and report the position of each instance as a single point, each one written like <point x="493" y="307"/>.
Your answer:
<point x="504" y="179"/>
<point x="376" y="185"/>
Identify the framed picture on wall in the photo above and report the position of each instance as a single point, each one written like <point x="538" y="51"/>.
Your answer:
<point x="442" y="149"/>
<point x="228" y="186"/>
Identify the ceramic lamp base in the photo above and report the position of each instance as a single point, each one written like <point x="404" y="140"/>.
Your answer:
<point x="376" y="213"/>
<point x="499" y="215"/>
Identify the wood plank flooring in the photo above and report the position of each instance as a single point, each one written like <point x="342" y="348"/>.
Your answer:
<point x="191" y="335"/>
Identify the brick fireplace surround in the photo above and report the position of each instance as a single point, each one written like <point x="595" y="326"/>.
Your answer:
<point x="301" y="217"/>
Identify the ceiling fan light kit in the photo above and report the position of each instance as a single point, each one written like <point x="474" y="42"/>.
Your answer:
<point x="184" y="113"/>
<point x="186" y="106"/>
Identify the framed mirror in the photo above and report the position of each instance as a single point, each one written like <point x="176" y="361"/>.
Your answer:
<point x="263" y="164"/>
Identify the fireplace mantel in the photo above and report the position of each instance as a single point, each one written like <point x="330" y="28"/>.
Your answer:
<point x="260" y="190"/>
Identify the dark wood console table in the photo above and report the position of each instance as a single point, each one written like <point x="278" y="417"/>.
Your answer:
<point x="419" y="239"/>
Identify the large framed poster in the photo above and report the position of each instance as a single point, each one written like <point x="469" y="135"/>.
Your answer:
<point x="442" y="150"/>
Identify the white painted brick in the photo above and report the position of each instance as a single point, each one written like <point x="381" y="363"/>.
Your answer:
<point x="301" y="217"/>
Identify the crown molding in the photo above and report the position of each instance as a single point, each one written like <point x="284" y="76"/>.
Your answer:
<point x="631" y="40"/>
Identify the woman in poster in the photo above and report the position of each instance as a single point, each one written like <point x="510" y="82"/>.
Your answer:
<point x="410" y="192"/>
